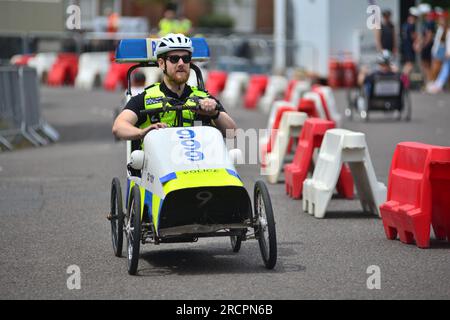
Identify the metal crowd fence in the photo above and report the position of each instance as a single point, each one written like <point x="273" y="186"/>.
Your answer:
<point x="20" y="109"/>
<point x="227" y="54"/>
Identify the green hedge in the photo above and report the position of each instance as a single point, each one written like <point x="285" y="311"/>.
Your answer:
<point x="216" y="21"/>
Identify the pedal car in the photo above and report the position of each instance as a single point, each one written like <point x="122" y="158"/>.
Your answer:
<point x="387" y="93"/>
<point x="183" y="184"/>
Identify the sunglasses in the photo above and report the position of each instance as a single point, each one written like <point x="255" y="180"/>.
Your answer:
<point x="175" y="58"/>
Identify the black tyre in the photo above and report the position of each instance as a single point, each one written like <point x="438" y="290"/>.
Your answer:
<point x="264" y="223"/>
<point x="134" y="230"/>
<point x="116" y="217"/>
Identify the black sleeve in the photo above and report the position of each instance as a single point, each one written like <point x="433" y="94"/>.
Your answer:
<point x="136" y="104"/>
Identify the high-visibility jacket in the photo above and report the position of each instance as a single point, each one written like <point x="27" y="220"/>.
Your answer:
<point x="153" y="100"/>
<point x="167" y="26"/>
<point x="184" y="26"/>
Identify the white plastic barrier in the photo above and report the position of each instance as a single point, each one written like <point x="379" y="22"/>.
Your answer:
<point x="314" y="96"/>
<point x="275" y="88"/>
<point x="43" y="62"/>
<point x="343" y="146"/>
<point x="92" y="69"/>
<point x="290" y="126"/>
<point x="331" y="104"/>
<point x="234" y="88"/>
<point x="299" y="91"/>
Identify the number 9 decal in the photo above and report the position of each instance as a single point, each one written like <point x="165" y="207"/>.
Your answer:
<point x="204" y="197"/>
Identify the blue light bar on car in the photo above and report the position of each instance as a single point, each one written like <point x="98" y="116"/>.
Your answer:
<point x="143" y="50"/>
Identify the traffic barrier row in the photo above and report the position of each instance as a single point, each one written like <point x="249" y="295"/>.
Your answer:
<point x="92" y="69"/>
<point x="417" y="195"/>
<point x="296" y="172"/>
<point x="293" y="93"/>
<point x="64" y="70"/>
<point x="20" y="113"/>
<point x="85" y="71"/>
<point x="290" y="127"/>
<point x="317" y="103"/>
<point x="343" y="162"/>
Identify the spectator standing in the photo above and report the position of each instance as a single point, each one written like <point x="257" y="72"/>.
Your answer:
<point x="168" y="24"/>
<point x="426" y="44"/>
<point x="409" y="37"/>
<point x="441" y="54"/>
<point x="171" y="23"/>
<point x="386" y="37"/>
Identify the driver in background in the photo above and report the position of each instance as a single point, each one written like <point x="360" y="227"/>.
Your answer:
<point x="174" y="54"/>
<point x="385" y="67"/>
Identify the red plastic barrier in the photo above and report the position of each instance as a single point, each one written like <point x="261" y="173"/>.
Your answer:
<point x="256" y="88"/>
<point x="317" y="90"/>
<point x="216" y="81"/>
<point x="290" y="90"/>
<point x="64" y="70"/>
<point x="309" y="107"/>
<point x="418" y="194"/>
<point x="116" y="76"/>
<point x="22" y="60"/>
<point x="296" y="172"/>
<point x="346" y="186"/>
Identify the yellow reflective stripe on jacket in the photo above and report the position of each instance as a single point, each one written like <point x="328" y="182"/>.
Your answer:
<point x="202" y="178"/>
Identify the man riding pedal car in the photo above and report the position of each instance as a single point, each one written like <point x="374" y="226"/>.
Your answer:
<point x="385" y="67"/>
<point x="174" y="53"/>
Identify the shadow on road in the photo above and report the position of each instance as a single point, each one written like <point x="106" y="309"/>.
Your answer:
<point x="216" y="261"/>
<point x="350" y="215"/>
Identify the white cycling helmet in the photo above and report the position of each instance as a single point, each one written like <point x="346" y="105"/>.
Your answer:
<point x="174" y="42"/>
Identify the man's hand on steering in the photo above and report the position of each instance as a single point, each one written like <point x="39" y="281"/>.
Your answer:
<point x="208" y="107"/>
